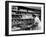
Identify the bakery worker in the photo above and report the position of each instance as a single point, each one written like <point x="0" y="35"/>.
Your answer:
<point x="37" y="20"/>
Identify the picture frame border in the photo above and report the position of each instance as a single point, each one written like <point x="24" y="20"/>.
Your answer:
<point x="7" y="17"/>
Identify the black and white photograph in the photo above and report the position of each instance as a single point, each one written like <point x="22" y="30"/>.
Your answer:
<point x="25" y="18"/>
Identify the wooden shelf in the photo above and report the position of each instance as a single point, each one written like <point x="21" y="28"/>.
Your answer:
<point x="22" y="18"/>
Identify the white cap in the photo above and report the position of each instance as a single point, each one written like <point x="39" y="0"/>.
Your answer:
<point x="37" y="14"/>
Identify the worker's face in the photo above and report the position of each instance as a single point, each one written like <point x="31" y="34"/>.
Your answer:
<point x="34" y="16"/>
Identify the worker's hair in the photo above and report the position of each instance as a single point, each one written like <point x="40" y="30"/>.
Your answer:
<point x="34" y="15"/>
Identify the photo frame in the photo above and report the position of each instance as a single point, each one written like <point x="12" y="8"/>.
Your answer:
<point x="24" y="18"/>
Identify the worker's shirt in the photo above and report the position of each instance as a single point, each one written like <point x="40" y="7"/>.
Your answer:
<point x="37" y="19"/>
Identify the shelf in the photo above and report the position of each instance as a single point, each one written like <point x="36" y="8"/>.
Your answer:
<point x="23" y="18"/>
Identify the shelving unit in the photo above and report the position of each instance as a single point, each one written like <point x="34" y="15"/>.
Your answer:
<point x="17" y="15"/>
